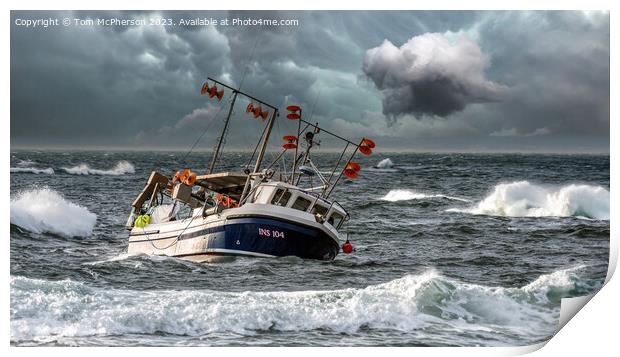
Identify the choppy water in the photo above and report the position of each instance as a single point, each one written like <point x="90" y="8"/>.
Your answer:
<point x="451" y="249"/>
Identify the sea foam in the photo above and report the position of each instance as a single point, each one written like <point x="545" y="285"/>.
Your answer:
<point x="405" y="304"/>
<point x="45" y="210"/>
<point x="121" y="168"/>
<point x="32" y="170"/>
<point x="406" y="195"/>
<point x="524" y="199"/>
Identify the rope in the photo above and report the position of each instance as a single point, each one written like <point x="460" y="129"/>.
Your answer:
<point x="175" y="239"/>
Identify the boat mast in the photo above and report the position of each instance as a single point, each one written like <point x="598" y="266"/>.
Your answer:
<point x="309" y="137"/>
<point x="296" y="147"/>
<point x="261" y="152"/>
<point x="237" y="91"/>
<point x="219" y="143"/>
<point x="263" y="146"/>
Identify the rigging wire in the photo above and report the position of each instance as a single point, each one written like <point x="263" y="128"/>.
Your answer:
<point x="243" y="76"/>
<point x="247" y="166"/>
<point x="245" y="71"/>
<point x="274" y="157"/>
<point x="203" y="133"/>
<point x="316" y="100"/>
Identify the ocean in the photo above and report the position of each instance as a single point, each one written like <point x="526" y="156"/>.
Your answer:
<point x="450" y="250"/>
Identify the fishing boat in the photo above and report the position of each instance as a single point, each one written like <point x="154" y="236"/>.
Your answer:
<point x="260" y="212"/>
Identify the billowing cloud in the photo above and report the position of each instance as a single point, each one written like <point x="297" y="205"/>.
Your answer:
<point x="430" y="75"/>
<point x="197" y="119"/>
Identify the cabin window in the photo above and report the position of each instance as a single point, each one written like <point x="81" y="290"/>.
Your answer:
<point x="320" y="210"/>
<point x="335" y="219"/>
<point x="281" y="197"/>
<point x="301" y="204"/>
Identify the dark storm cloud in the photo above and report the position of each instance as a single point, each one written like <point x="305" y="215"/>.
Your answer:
<point x="121" y="85"/>
<point x="95" y="85"/>
<point x="514" y="74"/>
<point x="557" y="66"/>
<point x="430" y="74"/>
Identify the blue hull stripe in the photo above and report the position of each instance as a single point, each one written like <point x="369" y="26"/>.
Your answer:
<point x="267" y="236"/>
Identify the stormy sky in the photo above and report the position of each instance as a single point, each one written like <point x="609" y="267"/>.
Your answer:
<point x="411" y="80"/>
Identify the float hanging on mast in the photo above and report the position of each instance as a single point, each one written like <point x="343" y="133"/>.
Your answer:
<point x="294" y="113"/>
<point x="350" y="170"/>
<point x="213" y="92"/>
<point x="257" y="112"/>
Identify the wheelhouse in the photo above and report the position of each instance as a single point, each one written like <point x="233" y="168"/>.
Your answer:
<point x="285" y="195"/>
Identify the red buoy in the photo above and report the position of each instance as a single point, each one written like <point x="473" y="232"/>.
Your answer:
<point x="347" y="247"/>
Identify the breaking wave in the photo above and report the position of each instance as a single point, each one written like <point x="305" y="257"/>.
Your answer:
<point x="45" y="210"/>
<point x="121" y="168"/>
<point x="523" y="199"/>
<point x="385" y="164"/>
<point x="405" y="304"/>
<point x="32" y="170"/>
<point x="406" y="195"/>
<point x="27" y="166"/>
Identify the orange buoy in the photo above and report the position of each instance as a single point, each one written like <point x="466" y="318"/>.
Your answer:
<point x="365" y="150"/>
<point x="353" y="166"/>
<point x="191" y="179"/>
<point x="369" y="143"/>
<point x="205" y="88"/>
<point x="212" y="91"/>
<point x="184" y="175"/>
<point x="366" y="146"/>
<point x="292" y="116"/>
<point x="352" y="174"/>
<point x="257" y="111"/>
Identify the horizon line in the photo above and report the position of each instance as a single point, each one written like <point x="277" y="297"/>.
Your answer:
<point x="327" y="150"/>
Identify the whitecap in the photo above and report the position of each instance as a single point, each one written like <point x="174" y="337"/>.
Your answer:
<point x="45" y="210"/>
<point x="405" y="304"/>
<point x="406" y="195"/>
<point x="385" y="164"/>
<point x="32" y="170"/>
<point x="524" y="199"/>
<point x="121" y="168"/>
